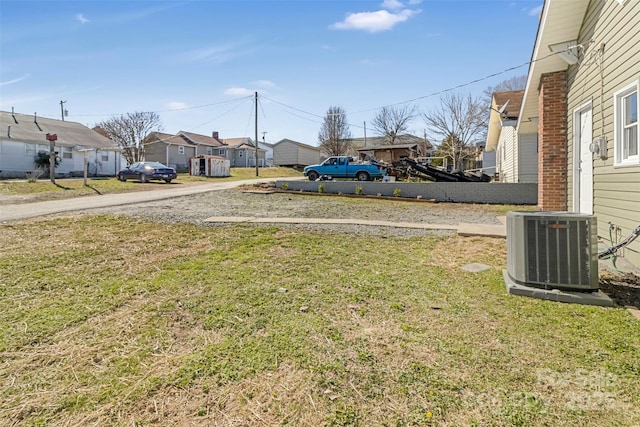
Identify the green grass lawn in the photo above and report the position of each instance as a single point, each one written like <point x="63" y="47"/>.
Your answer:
<point x="43" y="189"/>
<point x="246" y="325"/>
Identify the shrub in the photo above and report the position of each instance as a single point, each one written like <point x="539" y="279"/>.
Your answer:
<point x="42" y="160"/>
<point x="397" y="192"/>
<point x="284" y="186"/>
<point x="34" y="176"/>
<point x="321" y="188"/>
<point x="358" y="189"/>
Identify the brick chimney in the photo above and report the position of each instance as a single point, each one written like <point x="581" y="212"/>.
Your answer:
<point x="552" y="142"/>
<point x="215" y="135"/>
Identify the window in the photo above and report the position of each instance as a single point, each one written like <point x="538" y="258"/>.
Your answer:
<point x="104" y="156"/>
<point x="625" y="113"/>
<point x="222" y="152"/>
<point x="67" y="152"/>
<point x="30" y="149"/>
<point x="209" y="150"/>
<point x="180" y="149"/>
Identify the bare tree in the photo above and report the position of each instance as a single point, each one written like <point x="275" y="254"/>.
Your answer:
<point x="129" y="132"/>
<point x="334" y="136"/>
<point x="459" y="124"/>
<point x="393" y="121"/>
<point x="514" y="83"/>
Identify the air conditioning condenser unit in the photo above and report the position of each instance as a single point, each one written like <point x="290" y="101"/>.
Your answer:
<point x="553" y="255"/>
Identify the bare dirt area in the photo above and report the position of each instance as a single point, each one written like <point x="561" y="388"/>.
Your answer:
<point x="624" y="289"/>
<point x="242" y="203"/>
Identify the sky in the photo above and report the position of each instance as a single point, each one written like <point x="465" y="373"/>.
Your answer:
<point x="198" y="63"/>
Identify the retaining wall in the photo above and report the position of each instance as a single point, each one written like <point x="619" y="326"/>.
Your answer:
<point x="457" y="192"/>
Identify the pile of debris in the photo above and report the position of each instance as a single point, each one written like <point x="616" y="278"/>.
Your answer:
<point x="407" y="167"/>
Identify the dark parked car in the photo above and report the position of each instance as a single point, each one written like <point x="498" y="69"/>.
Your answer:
<point x="145" y="171"/>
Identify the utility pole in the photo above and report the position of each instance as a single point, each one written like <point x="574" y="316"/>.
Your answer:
<point x="52" y="138"/>
<point x="62" y="109"/>
<point x="256" y="134"/>
<point x="365" y="134"/>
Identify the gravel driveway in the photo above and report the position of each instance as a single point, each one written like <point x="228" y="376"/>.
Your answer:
<point x="236" y="203"/>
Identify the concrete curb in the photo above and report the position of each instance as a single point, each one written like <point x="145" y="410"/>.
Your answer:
<point x="484" y="230"/>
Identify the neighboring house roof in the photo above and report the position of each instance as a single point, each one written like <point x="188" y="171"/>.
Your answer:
<point x="378" y="142"/>
<point x="196" y="138"/>
<point x="290" y="141"/>
<point x="33" y="130"/>
<point x="389" y="147"/>
<point x="237" y="142"/>
<point x="559" y="27"/>
<point x="266" y="144"/>
<point x="156" y="137"/>
<point x="509" y="102"/>
<point x="244" y="142"/>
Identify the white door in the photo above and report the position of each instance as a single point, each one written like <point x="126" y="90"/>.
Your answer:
<point x="583" y="187"/>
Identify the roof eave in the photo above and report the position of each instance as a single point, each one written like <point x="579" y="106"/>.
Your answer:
<point x="560" y="22"/>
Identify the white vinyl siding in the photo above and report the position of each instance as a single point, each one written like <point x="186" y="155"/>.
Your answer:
<point x="528" y="158"/>
<point x="508" y="143"/>
<point x="616" y="188"/>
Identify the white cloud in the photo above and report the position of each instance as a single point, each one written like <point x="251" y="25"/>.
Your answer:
<point x="535" y="11"/>
<point x="373" y="22"/>
<point x="18" y="80"/>
<point x="238" y="91"/>
<point x="176" y="105"/>
<point x="392" y="4"/>
<point x="80" y="17"/>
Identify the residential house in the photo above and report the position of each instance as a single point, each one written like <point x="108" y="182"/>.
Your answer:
<point x="516" y="154"/>
<point x="176" y="150"/>
<point x="582" y="100"/>
<point x="268" y="152"/>
<point x="379" y="148"/>
<point x="485" y="160"/>
<point x="242" y="152"/>
<point x="23" y="136"/>
<point x="287" y="152"/>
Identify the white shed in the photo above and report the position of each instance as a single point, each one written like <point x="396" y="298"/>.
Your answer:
<point x="292" y="153"/>
<point x="206" y="165"/>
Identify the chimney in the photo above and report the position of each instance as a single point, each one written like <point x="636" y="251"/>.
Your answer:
<point x="214" y="135"/>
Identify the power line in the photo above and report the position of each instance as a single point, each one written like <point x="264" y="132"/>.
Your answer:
<point x="170" y="110"/>
<point x="244" y="100"/>
<point x="469" y="83"/>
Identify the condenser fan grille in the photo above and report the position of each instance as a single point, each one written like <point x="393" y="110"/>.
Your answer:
<point x="553" y="250"/>
<point x="558" y="251"/>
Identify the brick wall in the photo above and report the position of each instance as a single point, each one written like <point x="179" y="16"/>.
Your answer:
<point x="552" y="142"/>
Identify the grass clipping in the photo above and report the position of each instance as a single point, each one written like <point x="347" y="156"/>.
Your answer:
<point x="116" y="321"/>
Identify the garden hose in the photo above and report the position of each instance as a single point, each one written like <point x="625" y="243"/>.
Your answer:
<point x="611" y="251"/>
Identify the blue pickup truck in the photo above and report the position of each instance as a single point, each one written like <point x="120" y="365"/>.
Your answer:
<point x="345" y="167"/>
